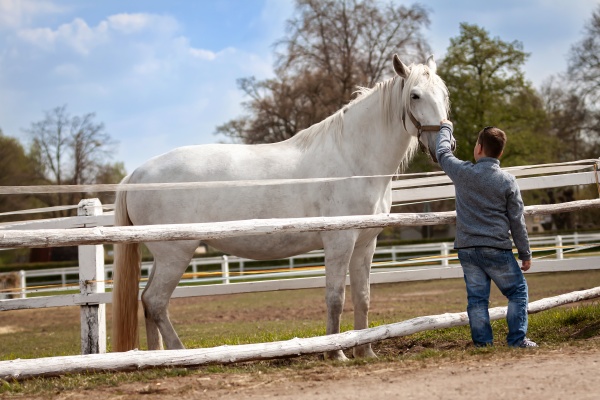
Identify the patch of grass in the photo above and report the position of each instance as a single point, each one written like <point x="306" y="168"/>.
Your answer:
<point x="270" y="331"/>
<point x="560" y="325"/>
<point x="553" y="328"/>
<point x="275" y="316"/>
<point x="61" y="341"/>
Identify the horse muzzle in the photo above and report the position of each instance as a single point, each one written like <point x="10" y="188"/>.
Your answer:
<point x="430" y="148"/>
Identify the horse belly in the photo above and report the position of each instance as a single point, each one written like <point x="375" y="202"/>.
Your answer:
<point x="269" y="247"/>
<point x="229" y="204"/>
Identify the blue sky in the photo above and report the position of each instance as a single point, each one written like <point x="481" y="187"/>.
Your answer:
<point x="162" y="74"/>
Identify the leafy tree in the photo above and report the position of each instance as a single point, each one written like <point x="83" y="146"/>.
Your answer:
<point x="332" y="47"/>
<point x="487" y="87"/>
<point x="16" y="168"/>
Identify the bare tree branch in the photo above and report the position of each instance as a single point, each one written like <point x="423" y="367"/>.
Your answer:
<point x="332" y="46"/>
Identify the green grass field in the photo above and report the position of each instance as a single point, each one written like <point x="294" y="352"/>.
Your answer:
<point x="262" y="317"/>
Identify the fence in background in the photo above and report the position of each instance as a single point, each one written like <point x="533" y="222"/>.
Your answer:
<point x="228" y="269"/>
<point x="92" y="296"/>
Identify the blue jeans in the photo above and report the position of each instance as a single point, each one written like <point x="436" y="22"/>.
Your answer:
<point x="480" y="265"/>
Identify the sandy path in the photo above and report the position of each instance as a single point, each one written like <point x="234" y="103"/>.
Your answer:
<point x="570" y="373"/>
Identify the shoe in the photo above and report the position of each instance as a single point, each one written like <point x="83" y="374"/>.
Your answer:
<point x="527" y="343"/>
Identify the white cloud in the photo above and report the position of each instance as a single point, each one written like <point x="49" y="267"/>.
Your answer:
<point x="149" y="67"/>
<point x="79" y="36"/>
<point x="134" y="23"/>
<point x="202" y="54"/>
<point x="16" y="13"/>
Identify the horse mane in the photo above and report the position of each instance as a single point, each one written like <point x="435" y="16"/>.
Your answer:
<point x="317" y="133"/>
<point x="333" y="126"/>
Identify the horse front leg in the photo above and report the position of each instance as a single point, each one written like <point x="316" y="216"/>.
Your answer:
<point x="338" y="251"/>
<point x="360" y="270"/>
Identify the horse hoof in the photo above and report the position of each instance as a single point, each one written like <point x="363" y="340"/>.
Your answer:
<point x="337" y="355"/>
<point x="364" y="352"/>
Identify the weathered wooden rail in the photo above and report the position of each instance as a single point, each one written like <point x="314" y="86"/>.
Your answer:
<point x="137" y="360"/>
<point x="220" y="230"/>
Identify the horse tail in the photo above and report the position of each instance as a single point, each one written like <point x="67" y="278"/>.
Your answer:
<point x="126" y="276"/>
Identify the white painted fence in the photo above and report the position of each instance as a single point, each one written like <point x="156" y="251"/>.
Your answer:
<point x="227" y="269"/>
<point x="135" y="360"/>
<point x="92" y="297"/>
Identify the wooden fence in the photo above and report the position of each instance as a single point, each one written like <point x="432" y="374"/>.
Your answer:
<point x="94" y="230"/>
<point x="137" y="360"/>
<point x="229" y="269"/>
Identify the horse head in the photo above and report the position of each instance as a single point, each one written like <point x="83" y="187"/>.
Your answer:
<point x="424" y="101"/>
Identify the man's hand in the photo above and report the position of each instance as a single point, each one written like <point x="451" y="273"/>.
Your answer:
<point x="446" y="121"/>
<point x="525" y="265"/>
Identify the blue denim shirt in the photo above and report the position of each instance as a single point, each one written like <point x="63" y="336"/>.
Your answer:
<point x="488" y="201"/>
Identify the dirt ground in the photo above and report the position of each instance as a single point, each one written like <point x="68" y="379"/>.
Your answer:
<point x="545" y="373"/>
<point x="543" y="377"/>
<point x="533" y="374"/>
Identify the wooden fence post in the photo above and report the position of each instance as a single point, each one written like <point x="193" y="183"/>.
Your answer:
<point x="445" y="254"/>
<point x="225" y="269"/>
<point x="559" y="249"/>
<point x="91" y="280"/>
<point x="22" y="284"/>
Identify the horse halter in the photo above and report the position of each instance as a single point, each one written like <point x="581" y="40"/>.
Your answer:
<point x="417" y="124"/>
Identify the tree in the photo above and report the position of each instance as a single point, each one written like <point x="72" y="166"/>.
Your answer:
<point x="571" y="101"/>
<point x="16" y="168"/>
<point x="584" y="59"/>
<point x="570" y="120"/>
<point x="487" y="87"/>
<point x="576" y="99"/>
<point x="571" y="98"/>
<point x="332" y="47"/>
<point x="109" y="173"/>
<point x="69" y="150"/>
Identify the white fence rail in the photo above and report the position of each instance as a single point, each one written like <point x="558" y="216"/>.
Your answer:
<point x="227" y="269"/>
<point x="92" y="297"/>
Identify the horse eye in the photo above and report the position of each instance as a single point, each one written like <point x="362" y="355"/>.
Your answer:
<point x="414" y="96"/>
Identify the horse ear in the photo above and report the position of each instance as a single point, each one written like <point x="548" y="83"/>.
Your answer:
<point x="400" y="68"/>
<point x="431" y="64"/>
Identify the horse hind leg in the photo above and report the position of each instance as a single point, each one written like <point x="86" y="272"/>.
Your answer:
<point x="153" y="335"/>
<point x="171" y="259"/>
<point x="360" y="269"/>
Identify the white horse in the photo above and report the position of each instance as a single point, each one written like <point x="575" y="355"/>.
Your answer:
<point x="368" y="137"/>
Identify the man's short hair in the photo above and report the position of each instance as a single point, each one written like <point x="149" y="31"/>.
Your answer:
<point x="492" y="140"/>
